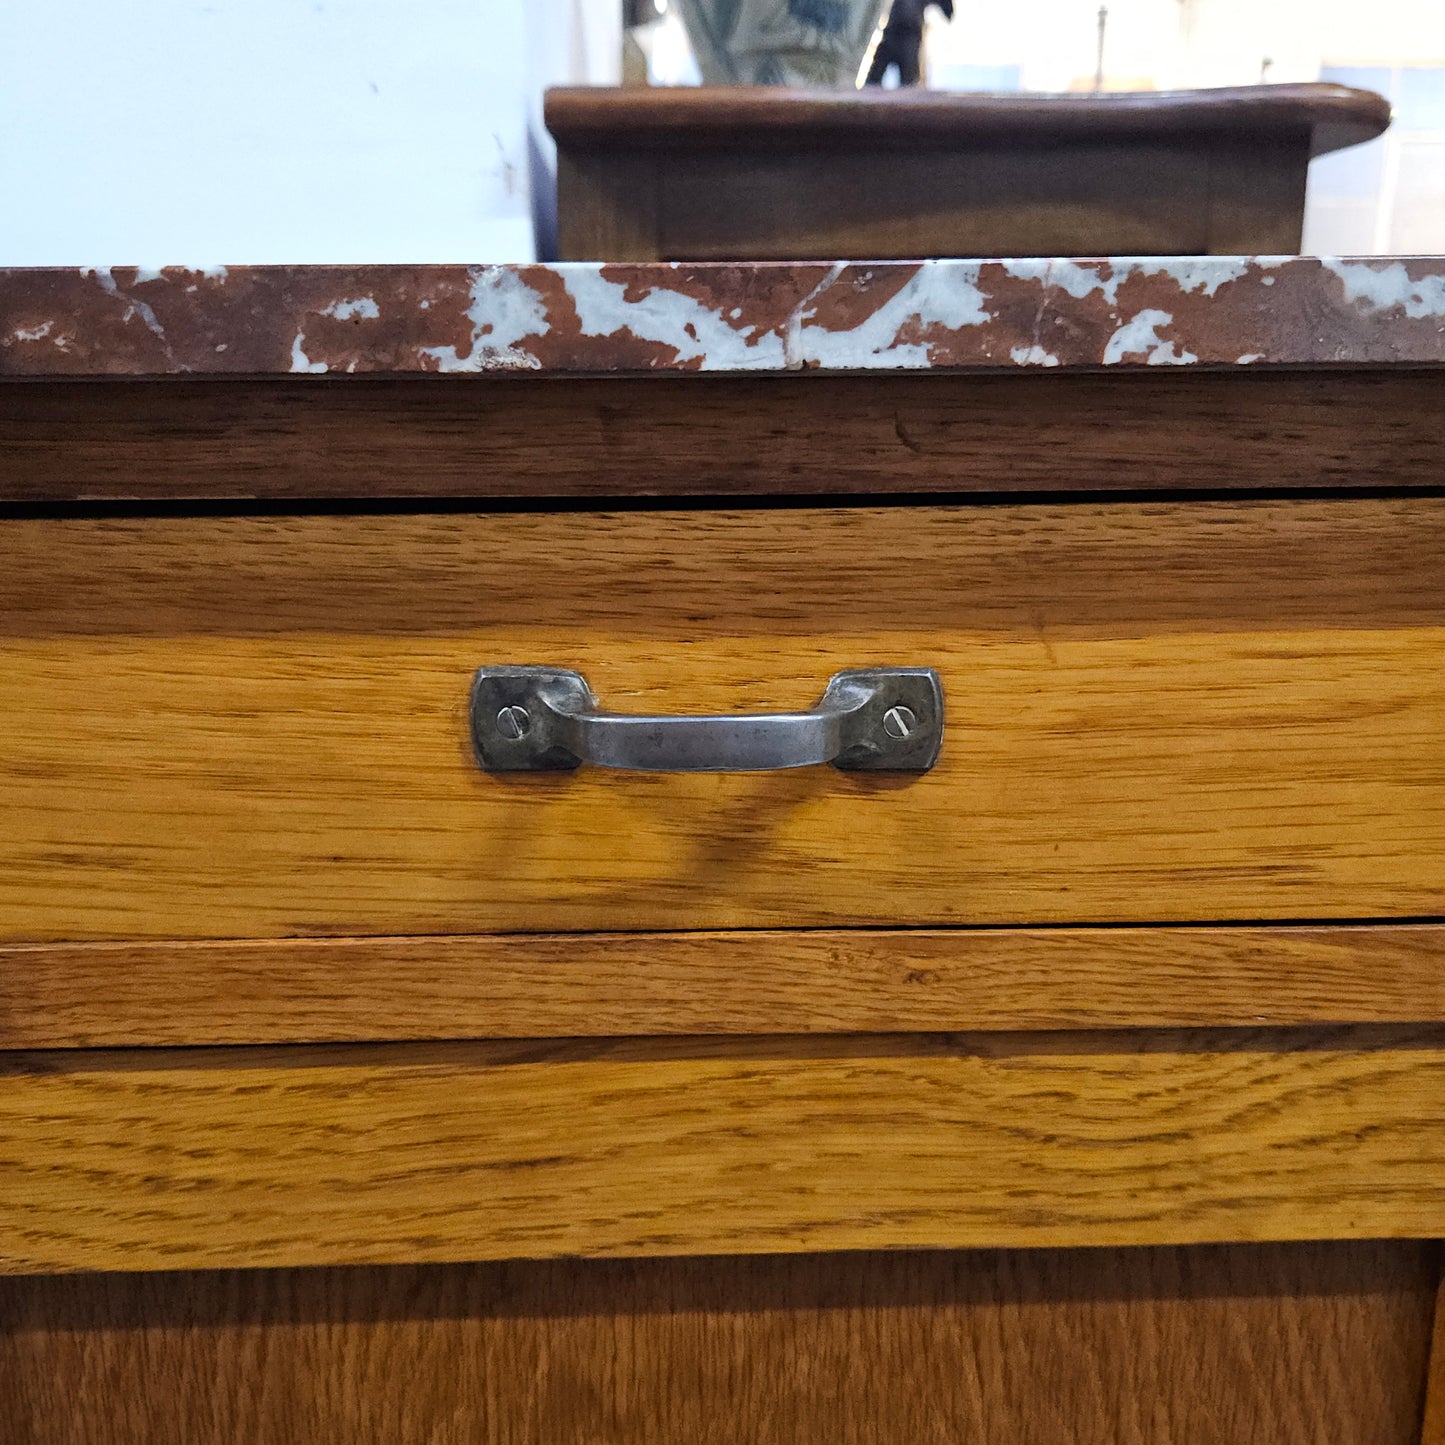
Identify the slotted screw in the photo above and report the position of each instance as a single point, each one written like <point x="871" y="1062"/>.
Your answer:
<point x="899" y="722"/>
<point x="513" y="722"/>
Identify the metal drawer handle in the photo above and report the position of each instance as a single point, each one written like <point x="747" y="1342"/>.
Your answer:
<point x="545" y="719"/>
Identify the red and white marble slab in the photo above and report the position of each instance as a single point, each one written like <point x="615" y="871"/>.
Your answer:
<point x="646" y="318"/>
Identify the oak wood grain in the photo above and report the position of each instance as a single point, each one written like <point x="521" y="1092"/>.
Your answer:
<point x="1290" y="1344"/>
<point x="753" y="981"/>
<point x="720" y="436"/>
<point x="257" y="726"/>
<point x="427" y="1153"/>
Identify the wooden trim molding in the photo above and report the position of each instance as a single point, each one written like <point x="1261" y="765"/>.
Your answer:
<point x="294" y="441"/>
<point x="772" y="116"/>
<point x="763" y="981"/>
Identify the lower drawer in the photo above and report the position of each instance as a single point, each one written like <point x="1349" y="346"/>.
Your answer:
<point x="256" y="727"/>
<point x="393" y="1153"/>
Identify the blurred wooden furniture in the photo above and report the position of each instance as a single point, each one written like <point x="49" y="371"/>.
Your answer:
<point x="351" y="1093"/>
<point x="767" y="174"/>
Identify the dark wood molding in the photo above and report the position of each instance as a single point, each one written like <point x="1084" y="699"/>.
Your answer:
<point x="683" y="117"/>
<point x="592" y="440"/>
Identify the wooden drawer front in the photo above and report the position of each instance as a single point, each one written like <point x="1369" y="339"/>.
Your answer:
<point x="388" y="1153"/>
<point x="249" y="727"/>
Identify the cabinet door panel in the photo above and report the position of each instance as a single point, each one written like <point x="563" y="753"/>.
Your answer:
<point x="1290" y="1344"/>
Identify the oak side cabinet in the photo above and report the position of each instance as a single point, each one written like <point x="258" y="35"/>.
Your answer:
<point x="789" y="853"/>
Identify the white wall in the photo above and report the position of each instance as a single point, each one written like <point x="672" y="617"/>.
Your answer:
<point x="1173" y="43"/>
<point x="199" y="132"/>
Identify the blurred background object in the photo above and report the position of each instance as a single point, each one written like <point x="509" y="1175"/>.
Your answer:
<point x="781" y="42"/>
<point x="197" y="131"/>
<point x="731" y="173"/>
<point x="899" y="47"/>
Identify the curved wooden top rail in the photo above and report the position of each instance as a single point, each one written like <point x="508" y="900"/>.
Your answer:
<point x="690" y="116"/>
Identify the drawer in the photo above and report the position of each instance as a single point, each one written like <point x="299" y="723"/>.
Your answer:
<point x="383" y="1153"/>
<point x="255" y="727"/>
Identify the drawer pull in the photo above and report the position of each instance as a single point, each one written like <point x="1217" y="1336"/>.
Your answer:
<point x="546" y="719"/>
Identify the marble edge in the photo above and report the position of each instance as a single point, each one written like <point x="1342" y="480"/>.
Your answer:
<point x="580" y="319"/>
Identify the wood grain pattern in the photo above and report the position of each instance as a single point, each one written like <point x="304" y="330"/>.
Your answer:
<point x="720" y="436"/>
<point x="1432" y="1432"/>
<point x="754" y="981"/>
<point x="428" y="1153"/>
<point x="257" y="726"/>
<point x="1286" y="1344"/>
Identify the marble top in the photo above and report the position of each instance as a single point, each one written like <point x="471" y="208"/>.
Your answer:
<point x="658" y="318"/>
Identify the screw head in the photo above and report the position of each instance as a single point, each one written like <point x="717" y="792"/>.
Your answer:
<point x="513" y="722"/>
<point x="898" y="722"/>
